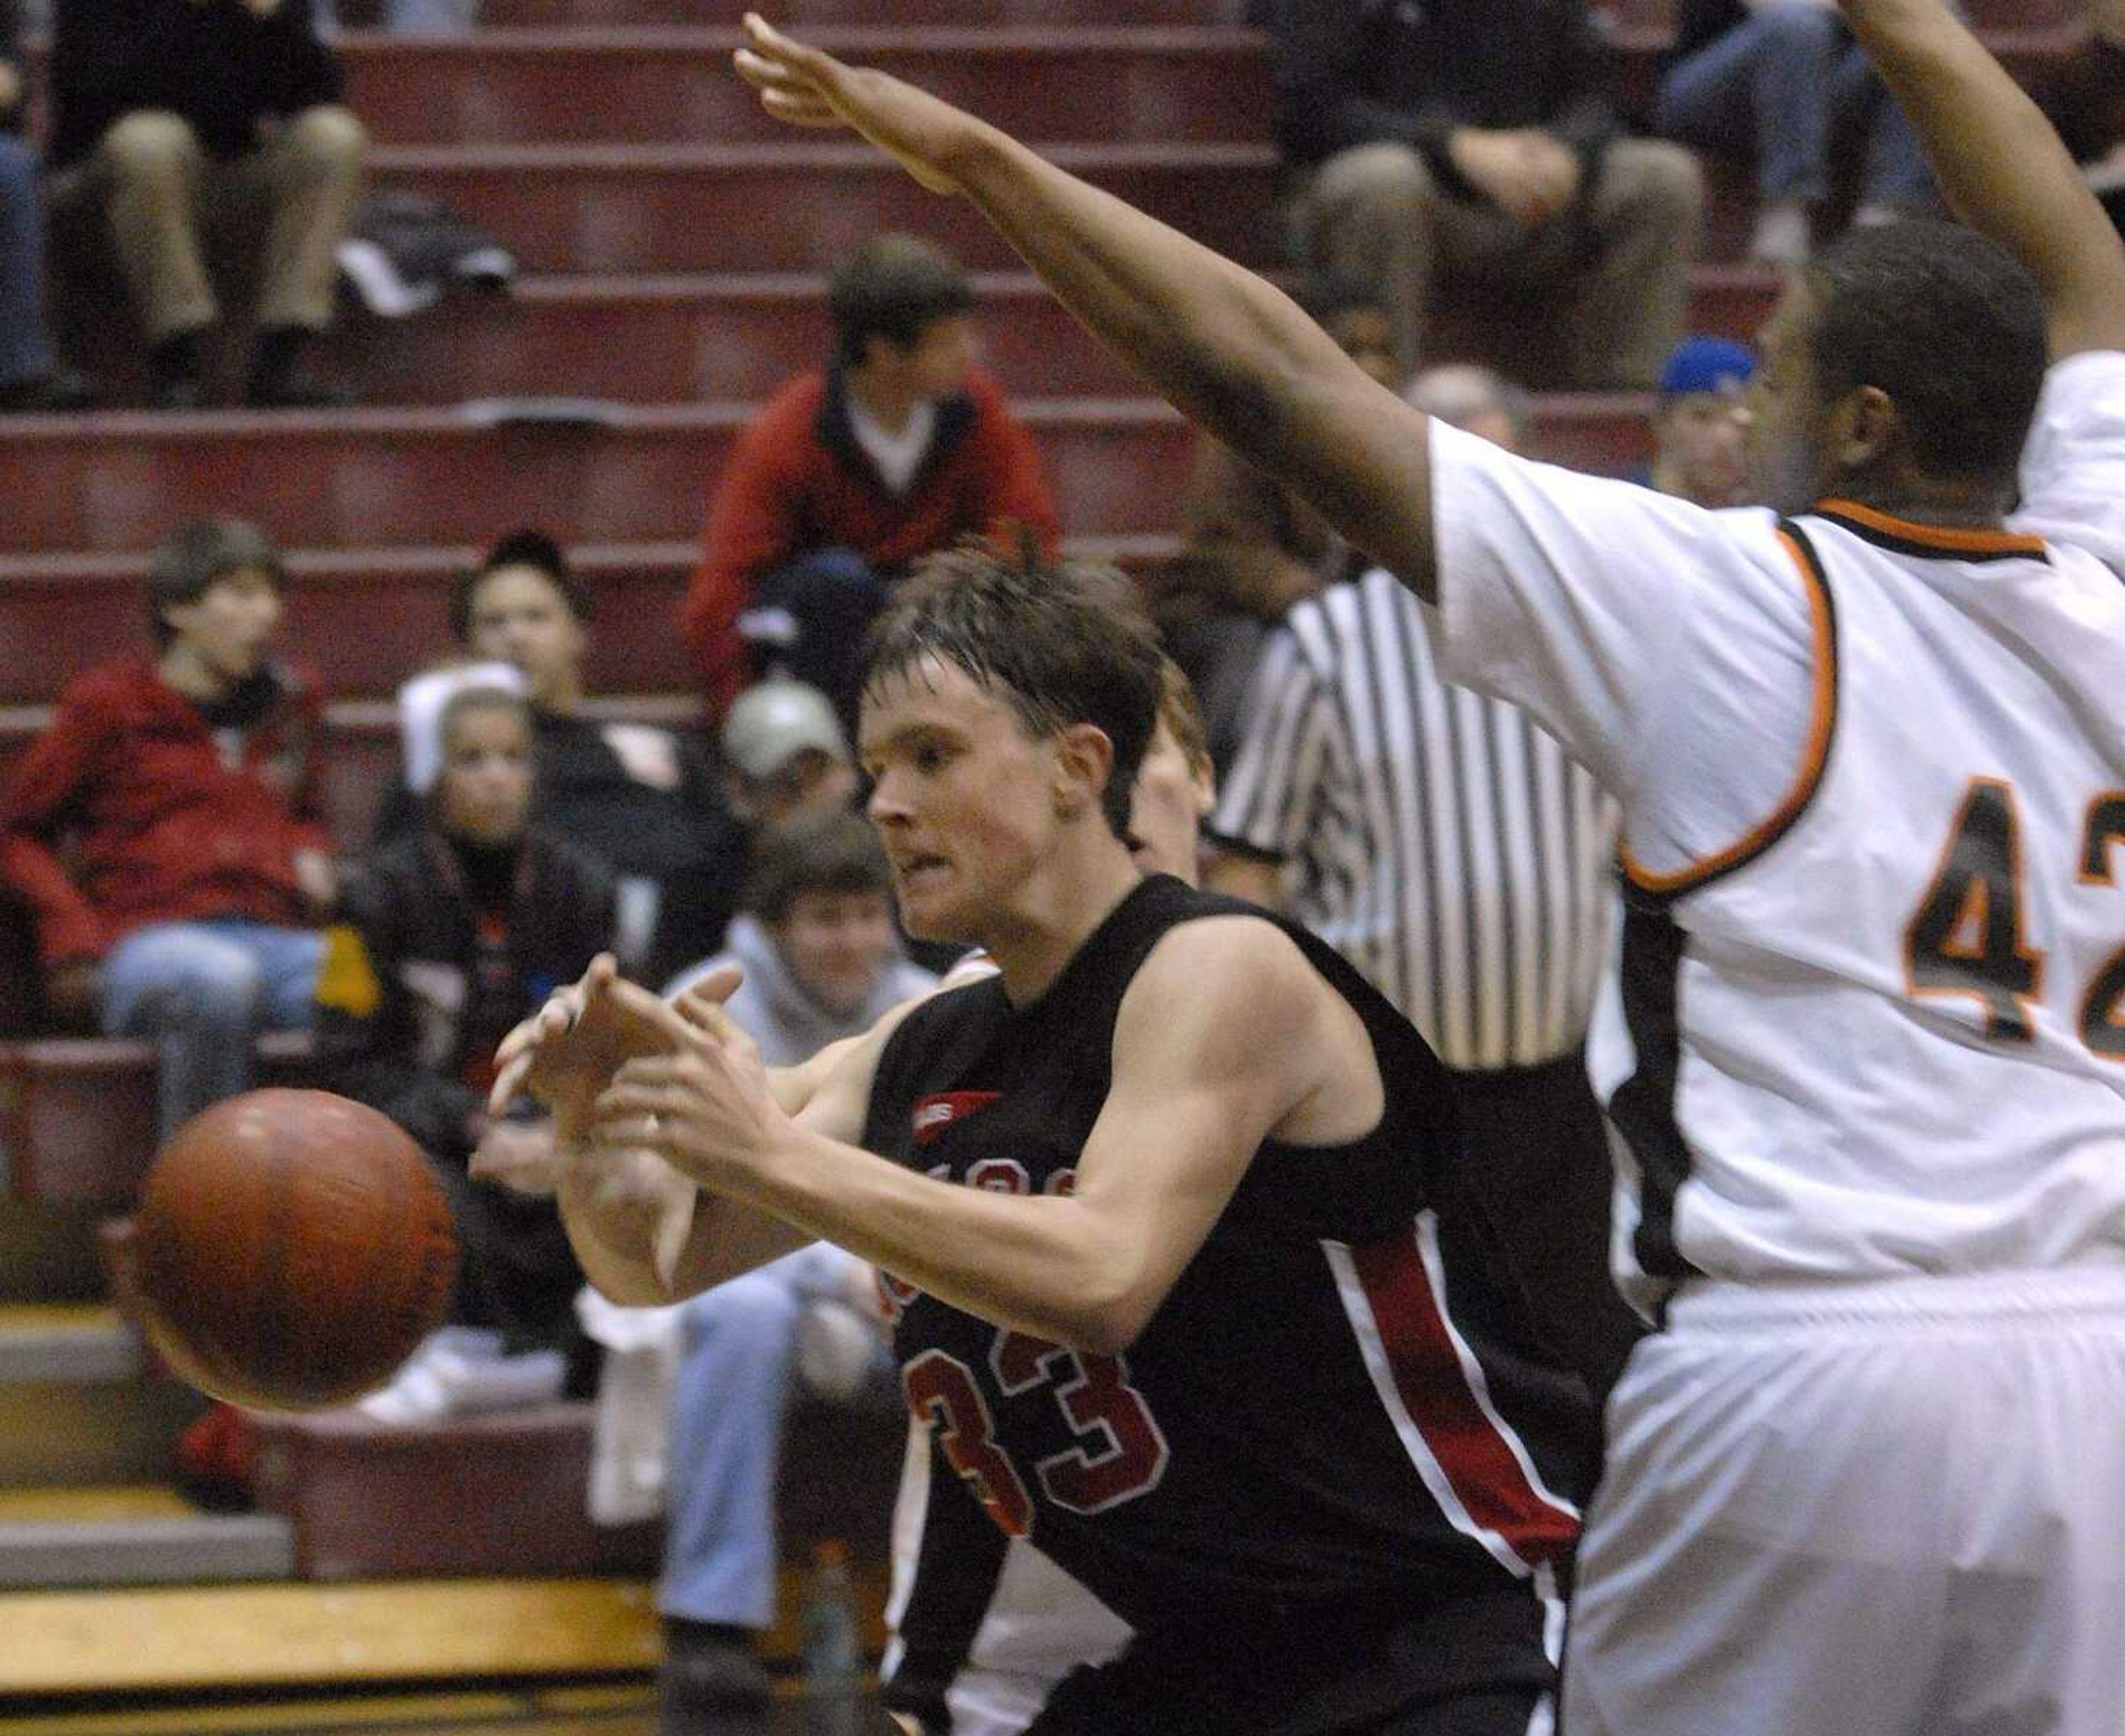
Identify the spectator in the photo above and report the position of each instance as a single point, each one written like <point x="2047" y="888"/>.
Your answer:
<point x="1786" y="75"/>
<point x="163" y="829"/>
<point x="1700" y="427"/>
<point x="899" y="446"/>
<point x="642" y="798"/>
<point x="2091" y="107"/>
<point x="193" y="128"/>
<point x="1477" y="140"/>
<point x="446" y="938"/>
<point x="816" y="942"/>
<point x="1252" y="546"/>
<point x="786" y="755"/>
<point x="1449" y="850"/>
<point x="29" y="379"/>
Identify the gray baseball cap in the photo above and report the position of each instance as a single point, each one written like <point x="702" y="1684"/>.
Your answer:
<point x="772" y="722"/>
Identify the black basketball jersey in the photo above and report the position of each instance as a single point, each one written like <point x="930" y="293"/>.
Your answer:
<point x="1340" y="1400"/>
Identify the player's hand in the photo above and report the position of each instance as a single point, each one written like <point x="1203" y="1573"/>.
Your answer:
<point x="569" y="1050"/>
<point x="703" y="1106"/>
<point x="11" y="88"/>
<point x="805" y="88"/>
<point x="1496" y="165"/>
<point x="520" y="1156"/>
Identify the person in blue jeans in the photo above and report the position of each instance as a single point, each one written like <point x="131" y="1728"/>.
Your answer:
<point x="30" y="378"/>
<point x="1786" y="75"/>
<point x="817" y="944"/>
<point x="164" y="830"/>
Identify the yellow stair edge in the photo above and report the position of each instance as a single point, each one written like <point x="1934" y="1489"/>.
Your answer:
<point x="103" y="1504"/>
<point x="163" y="1638"/>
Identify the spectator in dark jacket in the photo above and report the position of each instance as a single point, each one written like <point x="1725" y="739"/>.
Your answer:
<point x="29" y="379"/>
<point x="1786" y="76"/>
<point x="163" y="829"/>
<point x="444" y="939"/>
<point x="899" y="447"/>
<point x="196" y="125"/>
<point x="644" y="799"/>
<point x="1477" y="140"/>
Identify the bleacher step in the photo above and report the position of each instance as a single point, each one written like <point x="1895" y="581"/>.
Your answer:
<point x="83" y="1344"/>
<point x="132" y="1536"/>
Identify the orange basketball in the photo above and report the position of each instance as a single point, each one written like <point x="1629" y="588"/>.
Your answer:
<point x="293" y="1247"/>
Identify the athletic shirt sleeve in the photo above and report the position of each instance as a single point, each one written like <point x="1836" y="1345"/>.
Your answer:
<point x="1671" y="649"/>
<point x="2073" y="467"/>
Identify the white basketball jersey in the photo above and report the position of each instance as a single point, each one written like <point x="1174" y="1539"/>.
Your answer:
<point x="1889" y="1037"/>
<point x="1870" y="1013"/>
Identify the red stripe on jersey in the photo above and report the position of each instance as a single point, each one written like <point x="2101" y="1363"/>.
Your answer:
<point x="1464" y="1435"/>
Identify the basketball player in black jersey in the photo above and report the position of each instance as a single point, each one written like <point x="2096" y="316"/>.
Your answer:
<point x="1188" y="1288"/>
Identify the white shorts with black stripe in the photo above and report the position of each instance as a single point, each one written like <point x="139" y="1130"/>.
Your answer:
<point x="1889" y="1509"/>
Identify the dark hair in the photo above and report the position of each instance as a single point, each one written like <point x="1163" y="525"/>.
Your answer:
<point x="1063" y="643"/>
<point x="518" y="549"/>
<point x="829" y="853"/>
<point x="1948" y="325"/>
<point x="892" y="288"/>
<point x="189" y="560"/>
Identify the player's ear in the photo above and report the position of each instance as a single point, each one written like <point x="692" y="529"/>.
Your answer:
<point x="1084" y="762"/>
<point x="1863" y="427"/>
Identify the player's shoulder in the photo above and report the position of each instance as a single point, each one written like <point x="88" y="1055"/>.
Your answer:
<point x="1228" y="958"/>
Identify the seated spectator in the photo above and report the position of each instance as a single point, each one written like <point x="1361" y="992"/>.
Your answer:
<point x="162" y="829"/>
<point x="899" y="445"/>
<point x="1477" y="140"/>
<point x="1252" y="546"/>
<point x="444" y="939"/>
<point x="787" y="757"/>
<point x="1700" y="427"/>
<point x="29" y="379"/>
<point x="1787" y="76"/>
<point x="2090" y="106"/>
<point x="642" y="798"/>
<point x="200" y="130"/>
<point x="816" y="943"/>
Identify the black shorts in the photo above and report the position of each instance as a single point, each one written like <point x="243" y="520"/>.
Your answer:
<point x="1474" y="1666"/>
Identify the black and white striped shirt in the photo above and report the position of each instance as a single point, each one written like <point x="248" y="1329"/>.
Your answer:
<point x="1438" y="839"/>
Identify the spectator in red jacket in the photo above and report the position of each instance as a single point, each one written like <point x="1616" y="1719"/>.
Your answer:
<point x="162" y="829"/>
<point x="898" y="447"/>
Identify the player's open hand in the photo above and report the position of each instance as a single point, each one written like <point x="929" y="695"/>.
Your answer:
<point x="703" y="1106"/>
<point x="805" y="88"/>
<point x="568" y="1051"/>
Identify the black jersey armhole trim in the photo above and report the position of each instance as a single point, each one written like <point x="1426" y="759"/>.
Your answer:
<point x="1661" y="891"/>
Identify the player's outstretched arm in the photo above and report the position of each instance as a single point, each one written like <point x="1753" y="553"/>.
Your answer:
<point x="1194" y="1093"/>
<point x="1234" y="353"/>
<point x="2000" y="164"/>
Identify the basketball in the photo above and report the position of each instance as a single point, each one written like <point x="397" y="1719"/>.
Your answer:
<point x="293" y="1246"/>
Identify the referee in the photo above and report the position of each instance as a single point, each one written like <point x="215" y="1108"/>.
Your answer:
<point x="1449" y="850"/>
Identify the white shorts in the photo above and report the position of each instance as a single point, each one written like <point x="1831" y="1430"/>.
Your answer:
<point x="1884" y="1509"/>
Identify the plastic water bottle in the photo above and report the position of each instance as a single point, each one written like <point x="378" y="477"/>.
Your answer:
<point x="832" y="1644"/>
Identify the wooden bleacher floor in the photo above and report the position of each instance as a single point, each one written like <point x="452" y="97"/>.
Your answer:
<point x="615" y="1710"/>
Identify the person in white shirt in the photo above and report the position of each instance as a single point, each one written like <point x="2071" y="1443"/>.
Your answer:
<point x="1864" y="1061"/>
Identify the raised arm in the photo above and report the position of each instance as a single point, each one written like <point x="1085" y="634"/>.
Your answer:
<point x="1234" y="353"/>
<point x="2000" y="164"/>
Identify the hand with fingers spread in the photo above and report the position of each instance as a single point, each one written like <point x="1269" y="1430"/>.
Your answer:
<point x="805" y="88"/>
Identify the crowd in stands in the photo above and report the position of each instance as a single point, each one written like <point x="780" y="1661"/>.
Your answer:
<point x="164" y="835"/>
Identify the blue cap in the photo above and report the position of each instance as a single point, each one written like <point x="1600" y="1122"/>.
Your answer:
<point x="1706" y="365"/>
